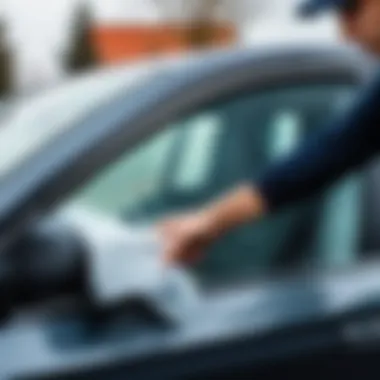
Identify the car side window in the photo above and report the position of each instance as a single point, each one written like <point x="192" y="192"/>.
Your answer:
<point x="203" y="154"/>
<point x="195" y="163"/>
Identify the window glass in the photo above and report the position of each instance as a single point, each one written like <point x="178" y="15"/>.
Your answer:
<point x="287" y="132"/>
<point x="134" y="179"/>
<point x="198" y="157"/>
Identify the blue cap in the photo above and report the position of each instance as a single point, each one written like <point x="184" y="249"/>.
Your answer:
<point x="311" y="8"/>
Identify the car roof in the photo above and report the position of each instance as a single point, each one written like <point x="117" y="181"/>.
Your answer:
<point x="203" y="60"/>
<point x="209" y="60"/>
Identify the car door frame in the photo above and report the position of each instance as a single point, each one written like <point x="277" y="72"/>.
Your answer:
<point x="71" y="170"/>
<point x="31" y="190"/>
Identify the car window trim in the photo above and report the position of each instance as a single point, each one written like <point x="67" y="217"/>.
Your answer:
<point x="48" y="184"/>
<point x="321" y="323"/>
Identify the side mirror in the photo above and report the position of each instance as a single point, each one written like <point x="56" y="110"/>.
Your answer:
<point x="45" y="261"/>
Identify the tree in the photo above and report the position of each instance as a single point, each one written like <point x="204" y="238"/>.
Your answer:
<point x="201" y="16"/>
<point x="6" y="72"/>
<point x="82" y="55"/>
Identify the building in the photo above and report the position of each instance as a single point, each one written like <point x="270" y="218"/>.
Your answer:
<point x="127" y="42"/>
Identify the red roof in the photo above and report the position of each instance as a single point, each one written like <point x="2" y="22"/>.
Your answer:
<point x="120" y="43"/>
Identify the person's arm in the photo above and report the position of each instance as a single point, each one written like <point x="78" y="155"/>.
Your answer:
<point x="314" y="165"/>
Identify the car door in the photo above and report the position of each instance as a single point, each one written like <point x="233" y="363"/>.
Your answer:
<point x="198" y="157"/>
<point x="147" y="176"/>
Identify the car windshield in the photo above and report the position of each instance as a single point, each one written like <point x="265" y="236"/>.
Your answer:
<point x="34" y="122"/>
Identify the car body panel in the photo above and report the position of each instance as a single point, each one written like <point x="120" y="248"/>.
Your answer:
<point x="290" y="314"/>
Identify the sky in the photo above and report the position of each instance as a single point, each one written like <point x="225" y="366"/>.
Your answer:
<point x="38" y="29"/>
<point x="36" y="33"/>
<point x="40" y="25"/>
<point x="280" y="24"/>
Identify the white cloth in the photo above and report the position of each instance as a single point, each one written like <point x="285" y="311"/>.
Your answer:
<point x="125" y="262"/>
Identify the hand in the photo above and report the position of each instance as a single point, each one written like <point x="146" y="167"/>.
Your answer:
<point x="186" y="237"/>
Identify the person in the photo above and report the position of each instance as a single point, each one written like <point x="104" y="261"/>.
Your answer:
<point x="343" y="146"/>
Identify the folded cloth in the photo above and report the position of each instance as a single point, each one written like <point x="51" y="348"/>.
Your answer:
<point x="126" y="263"/>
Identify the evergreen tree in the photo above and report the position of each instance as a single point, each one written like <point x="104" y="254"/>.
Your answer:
<point x="82" y="54"/>
<point x="6" y="71"/>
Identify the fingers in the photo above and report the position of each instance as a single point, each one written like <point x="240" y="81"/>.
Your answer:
<point x="170" y="252"/>
<point x="174" y="248"/>
<point x="176" y="256"/>
<point x="171" y="246"/>
<point x="181" y="243"/>
<point x="181" y="251"/>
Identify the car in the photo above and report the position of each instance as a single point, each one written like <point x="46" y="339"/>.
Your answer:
<point x="119" y="149"/>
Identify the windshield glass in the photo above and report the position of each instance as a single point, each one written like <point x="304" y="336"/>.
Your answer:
<point x="35" y="122"/>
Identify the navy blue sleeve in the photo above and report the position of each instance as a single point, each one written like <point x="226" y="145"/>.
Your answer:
<point x="340" y="147"/>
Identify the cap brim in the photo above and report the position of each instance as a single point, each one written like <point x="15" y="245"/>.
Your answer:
<point x="312" y="9"/>
<point x="308" y="11"/>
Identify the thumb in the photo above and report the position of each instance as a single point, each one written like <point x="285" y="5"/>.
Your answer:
<point x="170" y="252"/>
